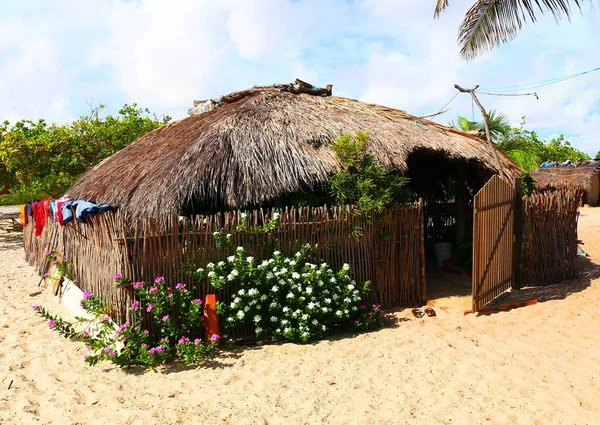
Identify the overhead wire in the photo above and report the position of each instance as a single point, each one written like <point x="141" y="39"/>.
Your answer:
<point x="542" y="83"/>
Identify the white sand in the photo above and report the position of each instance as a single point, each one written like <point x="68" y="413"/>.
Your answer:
<point x="533" y="365"/>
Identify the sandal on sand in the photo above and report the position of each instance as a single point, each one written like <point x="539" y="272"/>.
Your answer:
<point x="417" y="312"/>
<point x="430" y="312"/>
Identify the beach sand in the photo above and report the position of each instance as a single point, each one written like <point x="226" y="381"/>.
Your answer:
<point x="534" y="365"/>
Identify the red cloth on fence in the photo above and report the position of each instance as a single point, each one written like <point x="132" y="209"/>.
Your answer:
<point x="59" y="214"/>
<point x="41" y="213"/>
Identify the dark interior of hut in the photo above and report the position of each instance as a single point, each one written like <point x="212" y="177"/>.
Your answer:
<point x="447" y="187"/>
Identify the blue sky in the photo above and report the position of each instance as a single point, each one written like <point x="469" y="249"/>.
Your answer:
<point x="59" y="57"/>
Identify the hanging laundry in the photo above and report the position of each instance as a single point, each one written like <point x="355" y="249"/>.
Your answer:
<point x="59" y="215"/>
<point x="86" y="209"/>
<point x="67" y="211"/>
<point x="23" y="215"/>
<point x="42" y="212"/>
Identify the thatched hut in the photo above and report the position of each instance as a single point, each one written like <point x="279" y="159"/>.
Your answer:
<point x="265" y="143"/>
<point x="585" y="175"/>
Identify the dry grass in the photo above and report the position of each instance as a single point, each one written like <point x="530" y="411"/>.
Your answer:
<point x="575" y="176"/>
<point x="264" y="144"/>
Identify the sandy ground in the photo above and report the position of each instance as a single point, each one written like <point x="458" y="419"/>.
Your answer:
<point x="534" y="365"/>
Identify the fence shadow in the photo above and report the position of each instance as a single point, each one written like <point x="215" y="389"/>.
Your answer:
<point x="11" y="238"/>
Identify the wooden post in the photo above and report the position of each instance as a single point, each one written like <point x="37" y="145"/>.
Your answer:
<point x="422" y="251"/>
<point x="211" y="324"/>
<point x="518" y="237"/>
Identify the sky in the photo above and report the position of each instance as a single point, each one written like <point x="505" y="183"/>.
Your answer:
<point x="59" y="58"/>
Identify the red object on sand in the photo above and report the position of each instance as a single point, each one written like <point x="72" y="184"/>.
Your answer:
<point x="211" y="324"/>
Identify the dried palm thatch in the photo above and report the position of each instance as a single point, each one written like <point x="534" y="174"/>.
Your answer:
<point x="261" y="146"/>
<point x="586" y="177"/>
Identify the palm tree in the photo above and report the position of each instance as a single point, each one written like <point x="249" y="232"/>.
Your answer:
<point x="489" y="23"/>
<point x="498" y="122"/>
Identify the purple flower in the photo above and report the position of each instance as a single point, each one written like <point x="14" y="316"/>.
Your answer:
<point x="86" y="334"/>
<point x="159" y="349"/>
<point x="165" y="318"/>
<point x="137" y="285"/>
<point x="124" y="326"/>
<point x="202" y="318"/>
<point x="151" y="351"/>
<point x="153" y="290"/>
<point x="46" y="274"/>
<point x="106" y="349"/>
<point x="135" y="305"/>
<point x="170" y="295"/>
<point x="149" y="308"/>
<point x="117" y="333"/>
<point x="198" y="302"/>
<point x="362" y="306"/>
<point x="197" y="341"/>
<point x="163" y="340"/>
<point x="180" y="286"/>
<point x="215" y="337"/>
<point x="85" y="357"/>
<point x="104" y="318"/>
<point x="357" y="321"/>
<point x="117" y="276"/>
<point x="47" y="252"/>
<point x="51" y="323"/>
<point x="75" y="280"/>
<point x="183" y="340"/>
<point x="35" y="307"/>
<point x="86" y="295"/>
<point x="111" y="354"/>
<point x="144" y="345"/>
<point x="146" y="331"/>
<point x="55" y="261"/>
<point x="89" y="347"/>
<point x="159" y="279"/>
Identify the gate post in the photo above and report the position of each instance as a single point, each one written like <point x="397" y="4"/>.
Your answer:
<point x="518" y="236"/>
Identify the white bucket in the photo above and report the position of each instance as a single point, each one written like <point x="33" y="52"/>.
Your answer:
<point x="443" y="252"/>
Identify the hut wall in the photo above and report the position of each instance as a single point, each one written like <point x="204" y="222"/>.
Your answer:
<point x="594" y="192"/>
<point x="389" y="253"/>
<point x="549" y="250"/>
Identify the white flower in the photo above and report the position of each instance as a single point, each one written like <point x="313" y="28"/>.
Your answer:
<point x="250" y="259"/>
<point x="285" y="322"/>
<point x="350" y="287"/>
<point x="354" y="308"/>
<point x="244" y="215"/>
<point x="233" y="304"/>
<point x="308" y="290"/>
<point x="276" y="253"/>
<point x="236" y="299"/>
<point x="296" y="313"/>
<point x="230" y="258"/>
<point x="252" y="292"/>
<point x="290" y="295"/>
<point x="273" y="304"/>
<point x="325" y="309"/>
<point x="281" y="282"/>
<point x="276" y="216"/>
<point x="275" y="288"/>
<point x="200" y="270"/>
<point x="323" y="264"/>
<point x="338" y="313"/>
<point x="327" y="300"/>
<point x="304" y="333"/>
<point x="347" y="300"/>
<point x="332" y="280"/>
<point x="321" y="283"/>
<point x="230" y="319"/>
<point x="215" y="233"/>
<point x="295" y="275"/>
<point x="278" y="330"/>
<point x="292" y="263"/>
<point x="257" y="318"/>
<point x="220" y="263"/>
<point x="241" y="314"/>
<point x="335" y="296"/>
<point x="318" y="271"/>
<point x="239" y="248"/>
<point x="286" y="330"/>
<point x="241" y="292"/>
<point x="264" y="263"/>
<point x="311" y="305"/>
<point x="285" y="309"/>
<point x="315" y="322"/>
<point x="252" y="302"/>
<point x="324" y="327"/>
<point x="305" y="317"/>
<point x="346" y="266"/>
<point x="246" y="309"/>
<point x="258" y="331"/>
<point x="209" y="266"/>
<point x="263" y="297"/>
<point x="287" y="260"/>
<point x="269" y="275"/>
<point x="312" y="266"/>
<point x="234" y="272"/>
<point x="228" y="235"/>
<point x="298" y="254"/>
<point x="230" y="277"/>
<point x="211" y="274"/>
<point x="346" y="312"/>
<point x="284" y="270"/>
<point x="273" y="319"/>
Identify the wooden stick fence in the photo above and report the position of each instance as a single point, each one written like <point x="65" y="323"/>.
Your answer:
<point x="389" y="253"/>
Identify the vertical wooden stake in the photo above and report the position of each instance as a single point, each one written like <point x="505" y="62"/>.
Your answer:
<point x="518" y="238"/>
<point x="211" y="322"/>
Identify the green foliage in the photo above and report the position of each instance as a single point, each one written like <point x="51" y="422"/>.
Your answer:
<point x="498" y="123"/>
<point x="528" y="184"/>
<point x="37" y="157"/>
<point x="560" y="149"/>
<point x="361" y="181"/>
<point x="597" y="155"/>
<point x="290" y="298"/>
<point x="20" y="198"/>
<point x="63" y="327"/>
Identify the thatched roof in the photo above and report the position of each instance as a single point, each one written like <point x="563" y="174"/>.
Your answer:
<point x="576" y="175"/>
<point x="264" y="144"/>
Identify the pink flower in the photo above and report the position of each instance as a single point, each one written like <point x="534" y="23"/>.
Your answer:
<point x="46" y="274"/>
<point x="104" y="318"/>
<point x="357" y="321"/>
<point x="137" y="285"/>
<point x="35" y="307"/>
<point x="89" y="347"/>
<point x="55" y="261"/>
<point x="51" y="323"/>
<point x="170" y="295"/>
<point x="202" y="318"/>
<point x="106" y="349"/>
<point x="86" y="295"/>
<point x="124" y="326"/>
<point x="197" y="341"/>
<point x="117" y="276"/>
<point x="149" y="308"/>
<point x="163" y="340"/>
<point x="198" y="302"/>
<point x="159" y="279"/>
<point x="85" y="357"/>
<point x="159" y="349"/>
<point x="86" y="334"/>
<point x="144" y="345"/>
<point x="146" y="331"/>
<point x="47" y="252"/>
<point x="183" y="340"/>
<point x="153" y="290"/>
<point x="180" y="286"/>
<point x="165" y="318"/>
<point x="111" y="354"/>
<point x="135" y="305"/>
<point x="215" y="337"/>
<point x="151" y="351"/>
<point x="117" y="333"/>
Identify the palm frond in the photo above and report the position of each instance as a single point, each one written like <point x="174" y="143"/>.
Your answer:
<point x="440" y="6"/>
<point x="490" y="23"/>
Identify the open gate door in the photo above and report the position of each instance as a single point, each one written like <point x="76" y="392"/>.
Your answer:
<point x="493" y="241"/>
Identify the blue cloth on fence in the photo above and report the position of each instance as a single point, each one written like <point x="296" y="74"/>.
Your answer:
<point x="546" y="164"/>
<point x="53" y="209"/>
<point x="28" y="210"/>
<point x="86" y="209"/>
<point x="67" y="211"/>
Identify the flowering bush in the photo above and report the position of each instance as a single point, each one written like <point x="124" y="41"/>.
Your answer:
<point x="62" y="265"/>
<point x="288" y="298"/>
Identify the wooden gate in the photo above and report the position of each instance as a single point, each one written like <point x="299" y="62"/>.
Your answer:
<point x="493" y="241"/>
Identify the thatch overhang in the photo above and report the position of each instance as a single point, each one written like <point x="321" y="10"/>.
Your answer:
<point x="574" y="175"/>
<point x="265" y="144"/>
